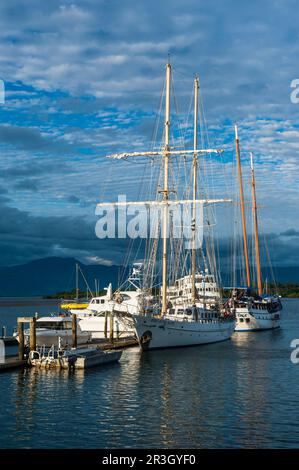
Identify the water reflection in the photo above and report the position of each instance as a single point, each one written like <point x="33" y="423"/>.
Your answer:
<point x="232" y="394"/>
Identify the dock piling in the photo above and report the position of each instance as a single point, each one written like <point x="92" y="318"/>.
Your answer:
<point x="105" y="325"/>
<point x="3" y="331"/>
<point x="74" y="330"/>
<point x="33" y="334"/>
<point x="21" y="339"/>
<point x="111" y="326"/>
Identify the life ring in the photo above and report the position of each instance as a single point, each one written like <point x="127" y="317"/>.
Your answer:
<point x="146" y="339"/>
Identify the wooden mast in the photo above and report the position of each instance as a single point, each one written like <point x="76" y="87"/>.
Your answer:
<point x="166" y="189"/>
<point x="194" y="165"/>
<point x="256" y="231"/>
<point x="245" y="240"/>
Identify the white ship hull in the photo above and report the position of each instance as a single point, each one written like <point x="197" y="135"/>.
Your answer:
<point x="95" y="325"/>
<point x="155" y="333"/>
<point x="248" y="319"/>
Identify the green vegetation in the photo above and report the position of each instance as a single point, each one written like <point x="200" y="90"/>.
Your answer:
<point x="289" y="290"/>
<point x="70" y="295"/>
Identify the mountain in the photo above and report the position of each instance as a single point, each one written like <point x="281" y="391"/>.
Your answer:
<point x="51" y="275"/>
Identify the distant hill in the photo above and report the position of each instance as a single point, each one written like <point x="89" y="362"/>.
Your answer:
<point x="51" y="275"/>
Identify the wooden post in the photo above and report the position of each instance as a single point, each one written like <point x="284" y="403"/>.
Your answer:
<point x="21" y="339"/>
<point x="33" y="334"/>
<point x="111" y="326"/>
<point x="74" y="330"/>
<point x="105" y="325"/>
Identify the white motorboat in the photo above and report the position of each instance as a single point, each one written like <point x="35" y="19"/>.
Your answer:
<point x="56" y="330"/>
<point x="96" y="318"/>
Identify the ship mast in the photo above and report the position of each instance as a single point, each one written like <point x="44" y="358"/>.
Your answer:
<point x="77" y="282"/>
<point x="165" y="153"/>
<point x="245" y="240"/>
<point x="194" y="164"/>
<point x="166" y="189"/>
<point x="256" y="231"/>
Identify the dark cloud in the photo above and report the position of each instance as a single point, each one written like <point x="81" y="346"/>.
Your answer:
<point x="24" y="236"/>
<point x="28" y="184"/>
<point x="30" y="139"/>
<point x="290" y="233"/>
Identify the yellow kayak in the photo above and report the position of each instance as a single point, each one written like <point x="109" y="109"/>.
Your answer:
<point x="74" y="305"/>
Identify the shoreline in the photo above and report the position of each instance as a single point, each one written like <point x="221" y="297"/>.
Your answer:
<point x="40" y="301"/>
<point x="27" y="301"/>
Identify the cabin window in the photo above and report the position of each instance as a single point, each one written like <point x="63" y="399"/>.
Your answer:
<point x="52" y="325"/>
<point x="241" y="320"/>
<point x="102" y="301"/>
<point x="247" y="320"/>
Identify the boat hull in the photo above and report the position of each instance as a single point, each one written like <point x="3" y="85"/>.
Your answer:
<point x="74" y="359"/>
<point x="256" y="320"/>
<point x="92" y="360"/>
<point x="51" y="337"/>
<point x="156" y="333"/>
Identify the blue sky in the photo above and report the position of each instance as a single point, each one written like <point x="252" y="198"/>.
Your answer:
<point x="83" y="79"/>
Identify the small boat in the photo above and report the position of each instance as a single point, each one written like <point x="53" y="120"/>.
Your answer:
<point x="56" y="330"/>
<point x="254" y="314"/>
<point x="75" y="358"/>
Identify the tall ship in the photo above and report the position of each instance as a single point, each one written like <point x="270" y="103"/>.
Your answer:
<point x="254" y="307"/>
<point x="173" y="306"/>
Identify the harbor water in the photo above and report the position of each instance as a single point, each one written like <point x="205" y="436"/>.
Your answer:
<point x="242" y="393"/>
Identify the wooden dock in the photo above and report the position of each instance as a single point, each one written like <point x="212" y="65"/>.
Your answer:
<point x="120" y="343"/>
<point x="12" y="362"/>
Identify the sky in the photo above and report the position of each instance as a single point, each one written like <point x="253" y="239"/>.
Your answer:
<point x="84" y="79"/>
